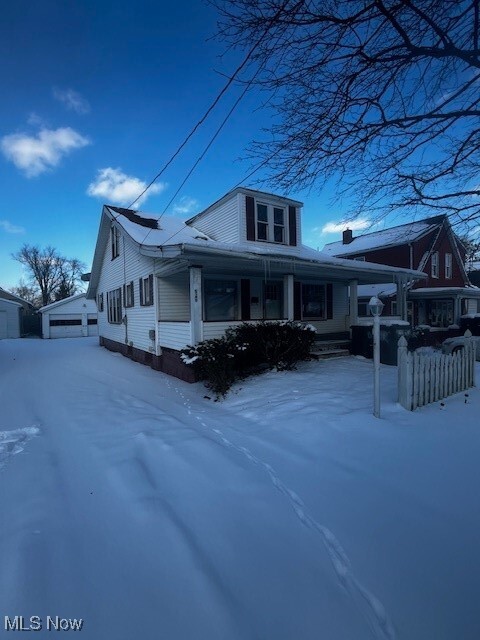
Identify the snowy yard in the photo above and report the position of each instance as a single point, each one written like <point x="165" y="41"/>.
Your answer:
<point x="286" y="512"/>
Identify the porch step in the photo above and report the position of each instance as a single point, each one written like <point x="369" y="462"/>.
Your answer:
<point x="324" y="354"/>
<point x="320" y="345"/>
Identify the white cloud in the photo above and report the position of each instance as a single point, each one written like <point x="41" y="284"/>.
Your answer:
<point x="72" y="100"/>
<point x="116" y="187"/>
<point x="185" y="205"/>
<point x="10" y="228"/>
<point x="36" y="154"/>
<point x="35" y="120"/>
<point x="337" y="227"/>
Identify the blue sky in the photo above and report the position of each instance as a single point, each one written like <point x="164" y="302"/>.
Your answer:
<point x="97" y="96"/>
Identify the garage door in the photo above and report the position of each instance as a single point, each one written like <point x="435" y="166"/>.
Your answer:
<point x="65" y="325"/>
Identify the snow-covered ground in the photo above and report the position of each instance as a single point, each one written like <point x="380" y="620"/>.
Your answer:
<point x="285" y="512"/>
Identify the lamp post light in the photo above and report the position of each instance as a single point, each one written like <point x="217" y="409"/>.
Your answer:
<point x="375" y="306"/>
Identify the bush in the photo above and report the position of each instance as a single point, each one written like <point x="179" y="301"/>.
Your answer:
<point x="213" y="362"/>
<point x="243" y="349"/>
<point x="280" y="345"/>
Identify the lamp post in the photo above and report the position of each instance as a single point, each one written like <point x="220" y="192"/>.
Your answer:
<point x="375" y="306"/>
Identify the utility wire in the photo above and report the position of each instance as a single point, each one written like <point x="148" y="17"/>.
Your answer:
<point x="200" y="158"/>
<point x="215" y="102"/>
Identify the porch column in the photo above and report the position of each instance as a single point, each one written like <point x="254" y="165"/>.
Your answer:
<point x="288" y="296"/>
<point x="457" y="309"/>
<point x="401" y="299"/>
<point x="195" y="304"/>
<point x="353" y="301"/>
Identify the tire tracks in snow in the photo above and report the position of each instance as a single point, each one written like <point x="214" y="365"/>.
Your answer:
<point x="369" y="605"/>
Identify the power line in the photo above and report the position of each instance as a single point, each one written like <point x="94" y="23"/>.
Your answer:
<point x="214" y="103"/>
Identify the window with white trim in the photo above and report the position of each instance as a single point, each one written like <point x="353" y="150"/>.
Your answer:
<point x="314" y="305"/>
<point x="128" y="298"/>
<point x="448" y="265"/>
<point x="273" y="300"/>
<point x="221" y="300"/>
<point x="115" y="242"/>
<point x="146" y="291"/>
<point x="114" y="306"/>
<point x="434" y="261"/>
<point x="270" y="225"/>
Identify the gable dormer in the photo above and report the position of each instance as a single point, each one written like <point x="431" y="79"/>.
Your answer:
<point x="246" y="215"/>
<point x="271" y="219"/>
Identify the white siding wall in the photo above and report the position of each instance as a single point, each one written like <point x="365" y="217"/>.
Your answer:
<point x="10" y="320"/>
<point x="129" y="265"/>
<point x="222" y="223"/>
<point x="340" y="320"/>
<point x="174" y="335"/>
<point x="174" y="298"/>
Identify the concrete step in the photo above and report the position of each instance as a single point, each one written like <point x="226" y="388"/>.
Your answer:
<point x="323" y="354"/>
<point x="320" y="345"/>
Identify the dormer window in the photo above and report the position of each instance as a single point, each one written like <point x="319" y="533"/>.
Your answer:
<point x="270" y="223"/>
<point x="115" y="242"/>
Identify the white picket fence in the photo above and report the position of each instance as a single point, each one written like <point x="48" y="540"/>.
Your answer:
<point x="425" y="378"/>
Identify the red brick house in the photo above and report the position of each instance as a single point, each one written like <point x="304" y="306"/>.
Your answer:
<point x="427" y="245"/>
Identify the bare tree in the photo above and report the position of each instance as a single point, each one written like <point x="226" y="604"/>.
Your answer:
<point x="383" y="96"/>
<point x="27" y="292"/>
<point x="55" y="276"/>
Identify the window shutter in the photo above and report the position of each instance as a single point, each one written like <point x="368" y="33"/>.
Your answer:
<point x="250" y="217"/>
<point x="140" y="288"/>
<point x="124" y="288"/>
<point x="292" y="226"/>
<point x="150" y="289"/>
<point x="297" y="300"/>
<point x="329" y="301"/>
<point x="245" y="299"/>
<point x="132" y="289"/>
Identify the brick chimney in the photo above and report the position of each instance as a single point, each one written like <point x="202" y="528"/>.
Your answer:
<point x="347" y="236"/>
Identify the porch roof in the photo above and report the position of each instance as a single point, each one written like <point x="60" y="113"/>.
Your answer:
<point x="247" y="260"/>
<point x="442" y="292"/>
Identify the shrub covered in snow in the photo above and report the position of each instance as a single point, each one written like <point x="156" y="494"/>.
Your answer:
<point x="278" y="345"/>
<point x="214" y="362"/>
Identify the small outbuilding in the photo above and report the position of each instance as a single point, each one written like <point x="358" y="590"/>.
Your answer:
<point x="73" y="317"/>
<point x="9" y="318"/>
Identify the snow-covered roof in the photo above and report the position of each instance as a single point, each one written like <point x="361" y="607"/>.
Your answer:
<point x="59" y="303"/>
<point x="385" y="238"/>
<point x="150" y="230"/>
<point x="169" y="231"/>
<point x="169" y="237"/>
<point x="472" y="292"/>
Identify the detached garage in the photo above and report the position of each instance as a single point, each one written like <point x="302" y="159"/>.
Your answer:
<point x="9" y="319"/>
<point x="74" y="317"/>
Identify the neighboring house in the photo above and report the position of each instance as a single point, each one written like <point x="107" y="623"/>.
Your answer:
<point x="28" y="318"/>
<point x="73" y="317"/>
<point x="26" y="306"/>
<point x="163" y="284"/>
<point x="9" y="318"/>
<point x="425" y="245"/>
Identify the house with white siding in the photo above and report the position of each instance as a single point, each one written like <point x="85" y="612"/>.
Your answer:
<point x="162" y="284"/>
